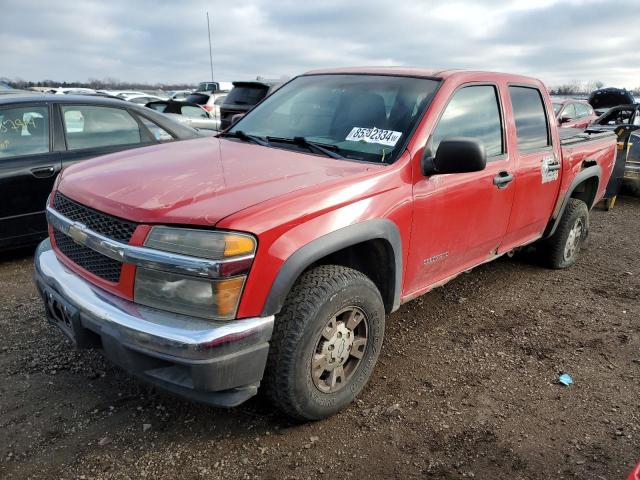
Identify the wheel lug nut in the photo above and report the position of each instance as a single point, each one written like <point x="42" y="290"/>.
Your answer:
<point x="339" y="334"/>
<point x="331" y="347"/>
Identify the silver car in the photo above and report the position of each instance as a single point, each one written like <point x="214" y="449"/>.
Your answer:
<point x="187" y="113"/>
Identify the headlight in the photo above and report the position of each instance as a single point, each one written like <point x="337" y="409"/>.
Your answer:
<point x="201" y="243"/>
<point x="215" y="298"/>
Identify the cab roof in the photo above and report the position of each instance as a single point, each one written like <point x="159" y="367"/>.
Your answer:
<point x="422" y="72"/>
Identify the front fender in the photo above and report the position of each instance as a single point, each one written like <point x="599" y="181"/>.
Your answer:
<point x="329" y="243"/>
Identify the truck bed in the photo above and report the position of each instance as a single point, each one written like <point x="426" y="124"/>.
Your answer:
<point x="571" y="136"/>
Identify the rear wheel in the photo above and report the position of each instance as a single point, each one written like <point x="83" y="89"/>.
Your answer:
<point x="325" y="343"/>
<point x="562" y="248"/>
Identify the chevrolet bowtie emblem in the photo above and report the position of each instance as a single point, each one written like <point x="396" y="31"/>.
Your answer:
<point x="77" y="231"/>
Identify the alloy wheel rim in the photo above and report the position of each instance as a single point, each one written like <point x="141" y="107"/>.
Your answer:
<point x="339" y="349"/>
<point x="573" y="240"/>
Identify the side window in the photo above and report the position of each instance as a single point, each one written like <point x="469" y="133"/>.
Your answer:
<point x="24" y="131"/>
<point x="92" y="126"/>
<point x="159" y="133"/>
<point x="569" y="111"/>
<point x="532" y="129"/>
<point x="582" y="110"/>
<point x="472" y="112"/>
<point x="193" y="112"/>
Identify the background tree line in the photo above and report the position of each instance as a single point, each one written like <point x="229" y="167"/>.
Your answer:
<point x="576" y="87"/>
<point x="97" y="84"/>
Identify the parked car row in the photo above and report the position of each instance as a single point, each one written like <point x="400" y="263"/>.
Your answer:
<point x="40" y="134"/>
<point x="219" y="111"/>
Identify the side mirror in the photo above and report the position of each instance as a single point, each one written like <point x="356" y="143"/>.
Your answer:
<point x="565" y="119"/>
<point x="456" y="155"/>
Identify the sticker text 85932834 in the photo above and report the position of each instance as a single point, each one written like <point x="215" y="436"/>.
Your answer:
<point x="374" y="135"/>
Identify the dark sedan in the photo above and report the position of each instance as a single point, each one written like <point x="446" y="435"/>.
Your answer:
<point x="40" y="134"/>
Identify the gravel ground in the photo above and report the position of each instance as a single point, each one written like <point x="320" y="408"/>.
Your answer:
<point x="465" y="387"/>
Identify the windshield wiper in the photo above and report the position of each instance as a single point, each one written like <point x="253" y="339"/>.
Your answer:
<point x="246" y="137"/>
<point x="321" y="148"/>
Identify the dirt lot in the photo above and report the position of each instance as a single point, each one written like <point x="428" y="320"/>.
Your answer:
<point x="465" y="388"/>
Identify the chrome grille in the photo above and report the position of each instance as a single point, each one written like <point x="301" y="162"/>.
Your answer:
<point x="92" y="261"/>
<point x="99" y="222"/>
<point x="106" y="225"/>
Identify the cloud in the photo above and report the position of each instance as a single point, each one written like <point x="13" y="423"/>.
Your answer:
<point x="166" y="41"/>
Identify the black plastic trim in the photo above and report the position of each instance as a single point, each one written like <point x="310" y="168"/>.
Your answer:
<point x="587" y="173"/>
<point x="330" y="243"/>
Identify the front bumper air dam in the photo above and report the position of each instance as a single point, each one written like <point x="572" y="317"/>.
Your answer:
<point x="218" y="363"/>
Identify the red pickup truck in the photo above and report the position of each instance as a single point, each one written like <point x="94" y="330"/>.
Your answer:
<point x="271" y="254"/>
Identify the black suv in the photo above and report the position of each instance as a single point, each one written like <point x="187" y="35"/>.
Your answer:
<point x="605" y="98"/>
<point x="40" y="134"/>
<point x="242" y="98"/>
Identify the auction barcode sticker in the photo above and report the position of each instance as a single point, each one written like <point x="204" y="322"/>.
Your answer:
<point x="374" y="135"/>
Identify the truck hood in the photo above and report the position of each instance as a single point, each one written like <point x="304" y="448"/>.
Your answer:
<point x="197" y="181"/>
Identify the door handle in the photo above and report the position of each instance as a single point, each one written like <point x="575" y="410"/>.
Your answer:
<point x="502" y="179"/>
<point x="44" y="172"/>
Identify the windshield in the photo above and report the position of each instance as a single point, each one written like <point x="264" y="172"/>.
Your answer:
<point x="362" y="117"/>
<point x="207" y="87"/>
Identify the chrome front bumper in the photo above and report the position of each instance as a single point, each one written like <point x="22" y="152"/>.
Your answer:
<point x="219" y="363"/>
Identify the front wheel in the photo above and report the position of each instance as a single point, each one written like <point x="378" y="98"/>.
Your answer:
<point x="562" y="248"/>
<point x="325" y="343"/>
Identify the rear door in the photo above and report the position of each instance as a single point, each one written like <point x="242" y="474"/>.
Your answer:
<point x="93" y="130"/>
<point x="538" y="165"/>
<point x="28" y="168"/>
<point x="461" y="219"/>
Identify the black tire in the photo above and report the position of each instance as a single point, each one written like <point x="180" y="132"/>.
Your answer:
<point x="632" y="187"/>
<point x="554" y="249"/>
<point x="317" y="296"/>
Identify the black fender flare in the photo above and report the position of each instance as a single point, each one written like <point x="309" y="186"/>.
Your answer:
<point x="320" y="247"/>
<point x="582" y="176"/>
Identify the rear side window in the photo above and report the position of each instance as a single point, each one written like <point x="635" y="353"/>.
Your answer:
<point x="472" y="112"/>
<point x="193" y="112"/>
<point x="582" y="110"/>
<point x="91" y="126"/>
<point x="569" y="111"/>
<point x="24" y="131"/>
<point x="159" y="133"/>
<point x="532" y="129"/>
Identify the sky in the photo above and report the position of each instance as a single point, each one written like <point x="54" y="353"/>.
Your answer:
<point x="166" y="41"/>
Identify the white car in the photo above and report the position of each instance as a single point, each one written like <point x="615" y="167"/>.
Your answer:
<point x="179" y="94"/>
<point x="142" y="99"/>
<point x="71" y="91"/>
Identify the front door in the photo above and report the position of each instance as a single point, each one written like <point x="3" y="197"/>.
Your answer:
<point x="460" y="219"/>
<point x="28" y="169"/>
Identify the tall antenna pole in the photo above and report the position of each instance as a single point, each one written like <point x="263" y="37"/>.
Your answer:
<point x="210" y="50"/>
<point x="215" y="113"/>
